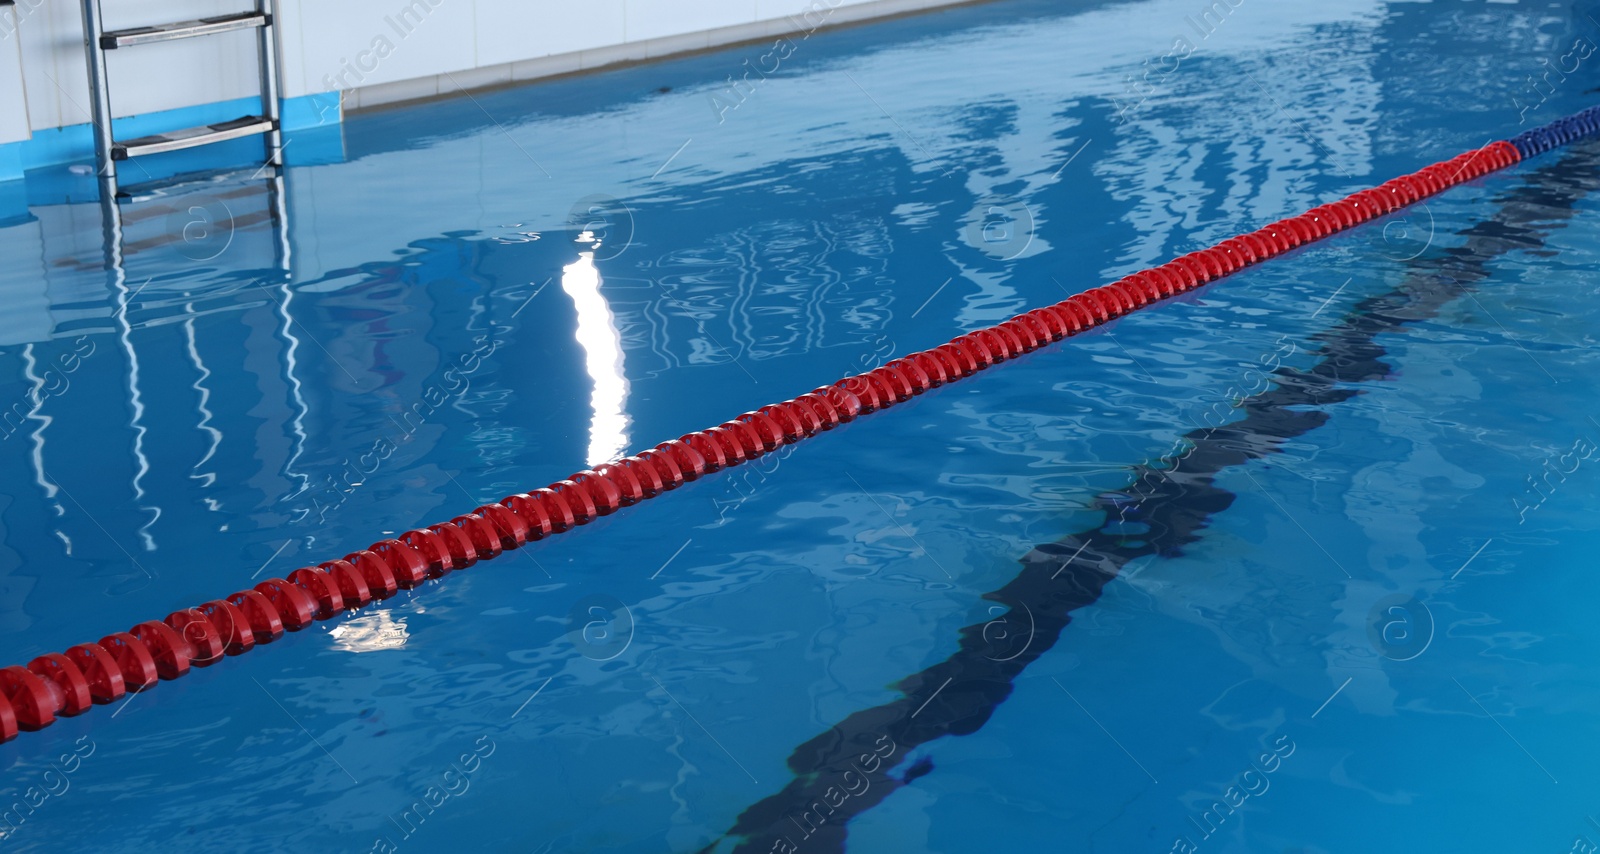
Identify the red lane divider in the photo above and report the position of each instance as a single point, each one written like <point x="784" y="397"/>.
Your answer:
<point x="89" y="674"/>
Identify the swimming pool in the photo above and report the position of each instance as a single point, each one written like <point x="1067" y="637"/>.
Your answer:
<point x="1383" y="563"/>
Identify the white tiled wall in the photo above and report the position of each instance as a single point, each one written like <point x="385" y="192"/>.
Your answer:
<point x="13" y="101"/>
<point x="447" y="44"/>
<point x="514" y="30"/>
<point x="145" y="79"/>
<point x="647" y="20"/>
<point x="465" y="35"/>
<point x="521" y="40"/>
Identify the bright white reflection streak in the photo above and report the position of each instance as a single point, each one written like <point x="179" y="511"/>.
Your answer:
<point x="602" y="359"/>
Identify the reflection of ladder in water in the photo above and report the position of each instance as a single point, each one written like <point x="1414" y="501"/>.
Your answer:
<point x="220" y="202"/>
<point x="108" y="150"/>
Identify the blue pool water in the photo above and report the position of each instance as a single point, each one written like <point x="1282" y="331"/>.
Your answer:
<point x="1356" y="618"/>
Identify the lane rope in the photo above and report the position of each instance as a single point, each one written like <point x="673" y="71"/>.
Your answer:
<point x="89" y="674"/>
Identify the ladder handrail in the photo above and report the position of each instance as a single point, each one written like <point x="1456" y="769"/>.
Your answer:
<point x="267" y="51"/>
<point x="99" y="95"/>
<point x="100" y="89"/>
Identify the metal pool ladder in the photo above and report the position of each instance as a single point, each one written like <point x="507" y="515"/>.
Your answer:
<point x="108" y="151"/>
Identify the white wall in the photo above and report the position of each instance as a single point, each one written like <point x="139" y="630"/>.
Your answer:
<point x="386" y="49"/>
<point x="367" y="49"/>
<point x="13" y="101"/>
<point x="144" y="79"/>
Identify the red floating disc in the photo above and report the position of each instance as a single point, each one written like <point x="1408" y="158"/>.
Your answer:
<point x="531" y="513"/>
<point x="205" y="643"/>
<point x="786" y="419"/>
<point x="991" y="344"/>
<point x="171" y="652"/>
<point x="1184" y="276"/>
<point x="1338" y="218"/>
<point x="456" y="544"/>
<point x="1054" y="324"/>
<point x="950" y="358"/>
<point x="666" y="465"/>
<point x="872" y="395"/>
<point x="795" y="419"/>
<point x="33" y="700"/>
<point x="1404" y="192"/>
<point x="578" y="500"/>
<point x="106" y="684"/>
<point x="232" y="626"/>
<point x="1238" y="246"/>
<point x="605" y="494"/>
<point x="644" y="473"/>
<point x="754" y="438"/>
<point x="1228" y="256"/>
<point x="294" y="607"/>
<point x="949" y="362"/>
<point x="622" y="477"/>
<point x="1043" y="325"/>
<point x="1064" y="322"/>
<point x="1258" y="247"/>
<point x="353" y="587"/>
<point x="1133" y="294"/>
<point x="735" y="442"/>
<point x="511" y="530"/>
<point x="769" y="433"/>
<point x="433" y="550"/>
<point x="321" y="587"/>
<point x="374" y="570"/>
<point x="912" y="372"/>
<point x="482" y="534"/>
<point x="1440" y="177"/>
<point x="1303" y="227"/>
<point x="67" y="680"/>
<point x="8" y="721"/>
<point x="264" y="620"/>
<point x="1089" y="302"/>
<point x="1274" y="241"/>
<point x="1117" y="301"/>
<point x="1158" y="282"/>
<point x="1287" y="235"/>
<point x="1378" y="200"/>
<point x="822" y="408"/>
<point x="410" y="568"/>
<point x="1332" y="220"/>
<point x="1318" y="226"/>
<point x="930" y="366"/>
<point x="133" y="658"/>
<point x="894" y="383"/>
<point x="974" y="353"/>
<point x="554" y="506"/>
<point x="708" y="449"/>
<point x="1026" y="338"/>
<point x="1150" y="286"/>
<point x="843" y="401"/>
<point x="856" y="389"/>
<point x="1211" y="269"/>
<point x="900" y="388"/>
<point x="1008" y="340"/>
<point x="1077" y="312"/>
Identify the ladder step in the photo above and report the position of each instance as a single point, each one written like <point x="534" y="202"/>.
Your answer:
<point x="184" y="30"/>
<point x="214" y="183"/>
<point x="191" y="137"/>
